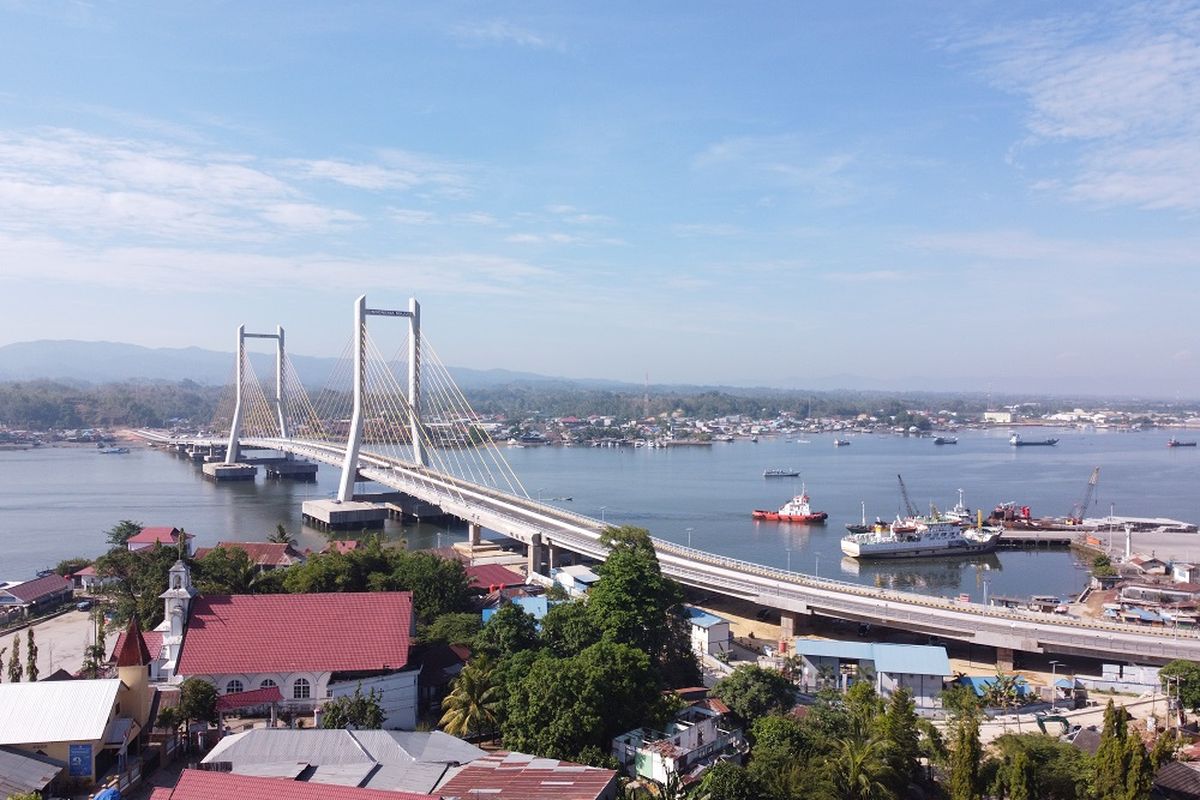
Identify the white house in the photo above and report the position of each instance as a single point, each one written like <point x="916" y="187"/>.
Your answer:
<point x="576" y="579"/>
<point x="921" y="669"/>
<point x="710" y="633"/>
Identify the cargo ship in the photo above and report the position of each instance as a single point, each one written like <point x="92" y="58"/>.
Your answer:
<point x="1016" y="441"/>
<point x="780" y="473"/>
<point x="1173" y="442"/>
<point x="933" y="536"/>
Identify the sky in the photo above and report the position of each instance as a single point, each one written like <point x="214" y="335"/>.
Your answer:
<point x="943" y="195"/>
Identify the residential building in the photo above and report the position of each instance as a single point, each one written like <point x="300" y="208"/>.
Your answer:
<point x="710" y="633"/>
<point x="202" y="785"/>
<point x="1183" y="572"/>
<point x="165" y="536"/>
<point x="535" y="606"/>
<point x="998" y="417"/>
<point x="576" y="579"/>
<point x="89" y="726"/>
<point x="391" y="760"/>
<point x="516" y="776"/>
<point x="922" y="669"/>
<point x="490" y="577"/>
<point x="698" y="736"/>
<point x="27" y="773"/>
<point x="264" y="555"/>
<point x="311" y="646"/>
<point x="31" y="597"/>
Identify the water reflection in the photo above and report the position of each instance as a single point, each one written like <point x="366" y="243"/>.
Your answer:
<point x="925" y="575"/>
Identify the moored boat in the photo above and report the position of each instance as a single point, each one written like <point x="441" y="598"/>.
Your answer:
<point x="841" y="442"/>
<point x="1016" y="441"/>
<point x="780" y="473"/>
<point x="113" y="450"/>
<point x="795" y="510"/>
<point x="1173" y="442"/>
<point x="945" y="440"/>
<point x="931" y="537"/>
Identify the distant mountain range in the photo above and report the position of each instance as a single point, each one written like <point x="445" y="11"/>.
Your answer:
<point x="104" y="362"/>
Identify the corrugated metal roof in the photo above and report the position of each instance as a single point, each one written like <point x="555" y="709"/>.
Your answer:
<point x="913" y="659"/>
<point x="700" y="617"/>
<point x="38" y="588"/>
<point x="516" y="776"/>
<point x="580" y="573"/>
<point x="21" y="773"/>
<point x="57" y="711"/>
<point x="199" y="785"/>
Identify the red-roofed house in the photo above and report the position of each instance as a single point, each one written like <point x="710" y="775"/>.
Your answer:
<point x="264" y="555"/>
<point x="310" y="646"/>
<point x="194" y="784"/>
<point x="44" y="592"/>
<point x="516" y="776"/>
<point x="166" y="536"/>
<point x="491" y="576"/>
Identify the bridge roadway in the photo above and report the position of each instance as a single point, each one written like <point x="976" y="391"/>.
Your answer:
<point x="794" y="593"/>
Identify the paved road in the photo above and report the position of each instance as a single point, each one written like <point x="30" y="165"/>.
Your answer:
<point x="60" y="642"/>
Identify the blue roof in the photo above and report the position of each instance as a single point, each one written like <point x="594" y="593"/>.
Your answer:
<point x="914" y="659"/>
<point x="980" y="683"/>
<point x="535" y="607"/>
<point x="702" y="618"/>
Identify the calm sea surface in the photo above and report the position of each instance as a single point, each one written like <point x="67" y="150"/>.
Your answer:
<point x="57" y="502"/>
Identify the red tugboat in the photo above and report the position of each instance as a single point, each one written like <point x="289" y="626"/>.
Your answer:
<point x="795" y="510"/>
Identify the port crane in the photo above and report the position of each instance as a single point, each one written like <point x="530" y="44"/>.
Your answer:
<point x="1082" y="506"/>
<point x="908" y="506"/>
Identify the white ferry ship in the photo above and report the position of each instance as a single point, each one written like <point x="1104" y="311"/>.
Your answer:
<point x="931" y="537"/>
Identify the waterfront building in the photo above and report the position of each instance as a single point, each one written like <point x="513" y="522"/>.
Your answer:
<point x="31" y="597"/>
<point x="922" y="669"/>
<point x="165" y="536"/>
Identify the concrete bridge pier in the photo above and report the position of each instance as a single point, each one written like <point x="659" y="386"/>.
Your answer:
<point x="535" y="555"/>
<point x="793" y="623"/>
<point x="474" y="529"/>
<point x="1004" y="659"/>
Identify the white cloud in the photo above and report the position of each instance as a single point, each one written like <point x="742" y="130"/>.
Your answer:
<point x="783" y="160"/>
<point x="477" y="218"/>
<point x="412" y="216"/>
<point x="706" y="229"/>
<point x="872" y="276"/>
<point x="1122" y="87"/>
<point x="308" y="217"/>
<point x="499" y="31"/>
<point x="398" y="170"/>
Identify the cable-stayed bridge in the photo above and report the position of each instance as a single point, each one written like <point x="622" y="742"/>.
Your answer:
<point x="420" y="438"/>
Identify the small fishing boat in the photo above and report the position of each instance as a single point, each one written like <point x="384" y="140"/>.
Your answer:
<point x="841" y="442"/>
<point x="946" y="440"/>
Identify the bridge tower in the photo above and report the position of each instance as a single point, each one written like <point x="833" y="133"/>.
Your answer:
<point x="233" y="448"/>
<point x="361" y="312"/>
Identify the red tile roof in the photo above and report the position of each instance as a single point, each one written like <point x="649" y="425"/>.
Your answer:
<point x="488" y="575"/>
<point x="131" y="651"/>
<point x="161" y="534"/>
<point x="254" y="697"/>
<point x="152" y="640"/>
<point x="88" y="570"/>
<point x="202" y="785"/>
<point x="262" y="554"/>
<point x="516" y="776"/>
<point x="292" y="632"/>
<point x="39" y="588"/>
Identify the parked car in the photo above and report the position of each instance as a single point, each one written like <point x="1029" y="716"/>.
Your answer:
<point x="84" y="605"/>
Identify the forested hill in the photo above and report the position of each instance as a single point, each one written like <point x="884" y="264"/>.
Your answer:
<point x="48" y="404"/>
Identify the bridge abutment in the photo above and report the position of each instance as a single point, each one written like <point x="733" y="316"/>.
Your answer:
<point x="534" y="564"/>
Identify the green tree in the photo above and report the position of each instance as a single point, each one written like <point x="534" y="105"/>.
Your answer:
<point x="120" y="534"/>
<point x="560" y="706"/>
<point x="727" y="781"/>
<point x="966" y="756"/>
<point x="439" y="585"/>
<point x="568" y="629"/>
<point x="633" y="603"/>
<point x="1166" y="745"/>
<point x="457" y="627"/>
<point x="69" y="566"/>
<point x="16" y="670"/>
<point x="1060" y="771"/>
<point x="860" y="770"/>
<point x="31" y="657"/>
<point x="225" y="570"/>
<point x="361" y="711"/>
<point x="1102" y="566"/>
<point x="508" y="631"/>
<point x="782" y="731"/>
<point x="1112" y="756"/>
<point x="1019" y="778"/>
<point x="281" y="535"/>
<point x="472" y="704"/>
<point x="138" y="579"/>
<point x="752" y="692"/>
<point x="1184" y="677"/>
<point x="95" y="654"/>
<point x="197" y="701"/>
<point x="902" y="734"/>
<point x="1139" y="776"/>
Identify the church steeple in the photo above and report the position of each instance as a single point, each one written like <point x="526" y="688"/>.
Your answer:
<point x="177" y="601"/>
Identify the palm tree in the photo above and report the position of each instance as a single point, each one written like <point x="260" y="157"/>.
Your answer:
<point x="860" y="770"/>
<point x="281" y="535"/>
<point x="471" y="705"/>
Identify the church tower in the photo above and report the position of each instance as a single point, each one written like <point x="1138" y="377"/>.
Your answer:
<point x="177" y="601"/>
<point x="133" y="668"/>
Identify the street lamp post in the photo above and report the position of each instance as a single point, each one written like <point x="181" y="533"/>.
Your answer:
<point x="540" y="490"/>
<point x="602" y="508"/>
<point x="689" y="534"/>
<point x="817" y="571"/>
<point x="789" y="559"/>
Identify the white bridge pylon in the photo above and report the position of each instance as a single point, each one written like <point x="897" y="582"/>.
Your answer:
<point x="354" y="442"/>
<point x="233" y="448"/>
